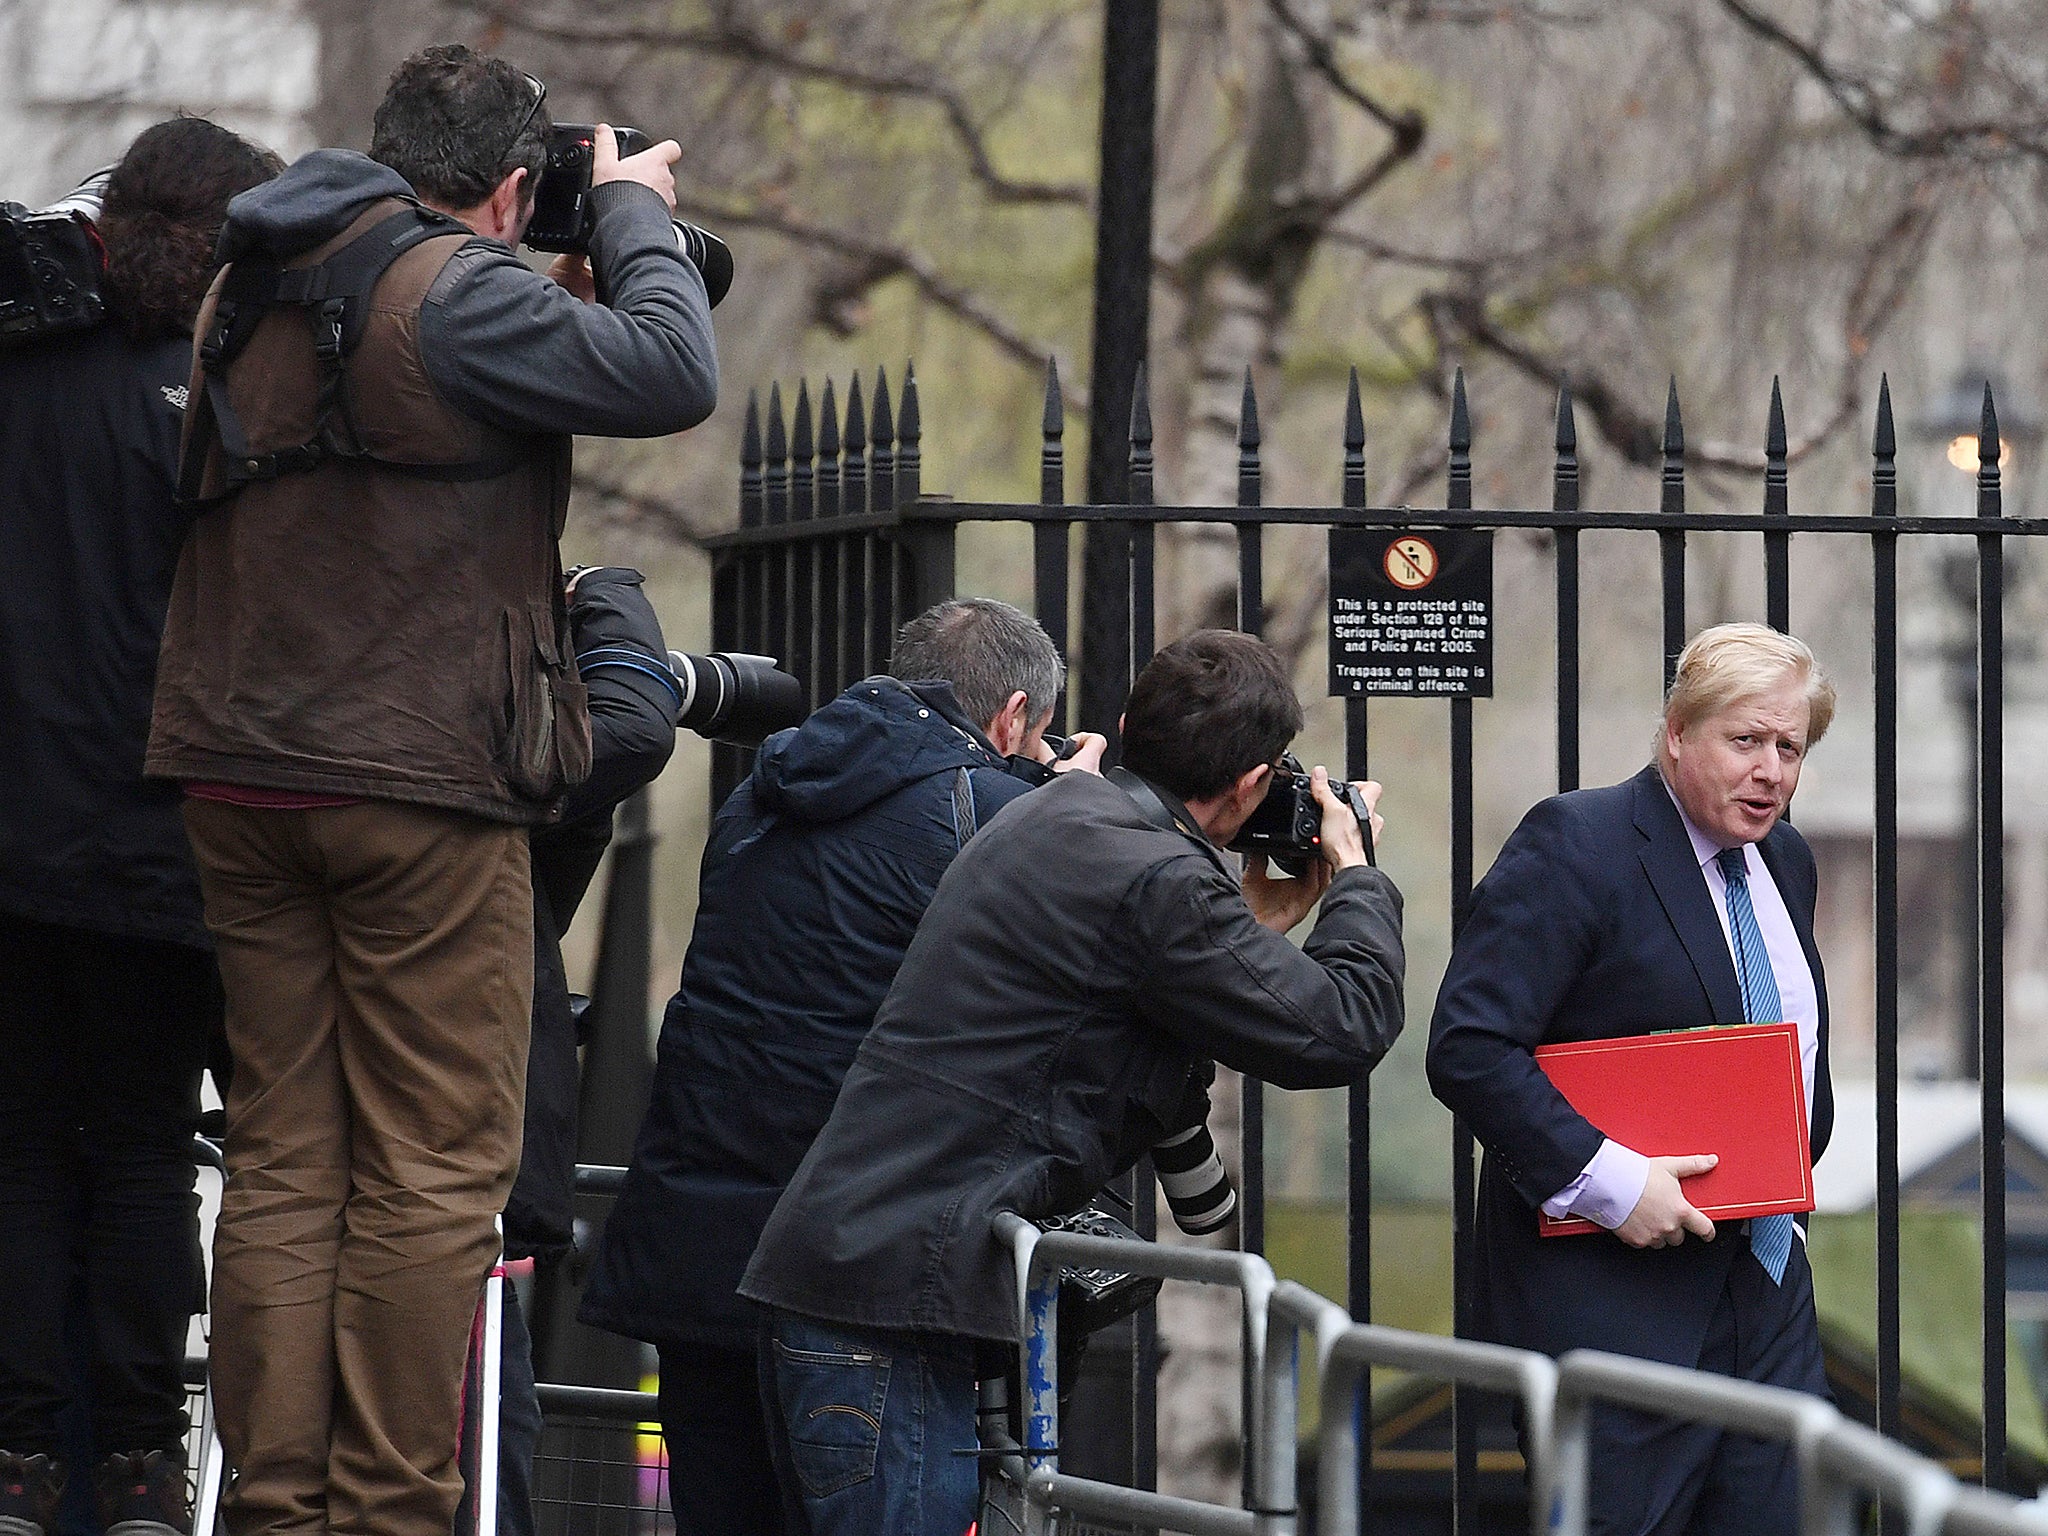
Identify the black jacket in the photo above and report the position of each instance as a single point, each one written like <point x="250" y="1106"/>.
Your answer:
<point x="1053" y="1019"/>
<point x="633" y="702"/>
<point x="819" y="866"/>
<point x="88" y="457"/>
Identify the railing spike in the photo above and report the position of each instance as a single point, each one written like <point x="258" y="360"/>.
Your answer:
<point x="1988" y="447"/>
<point x="1884" y="449"/>
<point x="800" y="448"/>
<point x="1353" y="487"/>
<point x="1250" y="474"/>
<point x="910" y="417"/>
<point x="1674" y="425"/>
<point x="881" y="423"/>
<point x="828" y="422"/>
<point x="1459" y="480"/>
<point x="856" y="418"/>
<point x="751" y="504"/>
<point x="1774" y="434"/>
<point x="803" y="498"/>
<point x="828" y="452"/>
<point x="1052" y="461"/>
<point x="1141" y="409"/>
<point x="1139" y="470"/>
<point x="1567" y="440"/>
<point x="909" y="431"/>
<point x="778" y="439"/>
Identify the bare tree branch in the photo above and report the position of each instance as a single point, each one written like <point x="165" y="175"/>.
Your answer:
<point x="875" y="261"/>
<point x="1885" y="277"/>
<point x="1404" y="125"/>
<point x="731" y="38"/>
<point x="1380" y="250"/>
<point x="682" y="523"/>
<point x="1979" y="139"/>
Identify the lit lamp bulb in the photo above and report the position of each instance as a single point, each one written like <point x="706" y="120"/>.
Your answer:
<point x="1962" y="452"/>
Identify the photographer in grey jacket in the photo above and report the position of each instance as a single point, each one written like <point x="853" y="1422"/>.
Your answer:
<point x="1082" y="960"/>
<point x="368" y="691"/>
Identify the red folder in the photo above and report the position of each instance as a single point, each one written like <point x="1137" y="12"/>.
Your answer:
<point x="1734" y="1090"/>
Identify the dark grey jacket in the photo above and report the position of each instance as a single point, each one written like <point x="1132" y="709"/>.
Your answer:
<point x="1078" y="967"/>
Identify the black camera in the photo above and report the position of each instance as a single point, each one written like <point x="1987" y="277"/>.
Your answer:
<point x="737" y="698"/>
<point x="1031" y="770"/>
<point x="561" y="204"/>
<point x="51" y="263"/>
<point x="1288" y="825"/>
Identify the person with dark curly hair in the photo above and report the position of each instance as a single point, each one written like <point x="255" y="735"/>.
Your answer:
<point x="110" y="989"/>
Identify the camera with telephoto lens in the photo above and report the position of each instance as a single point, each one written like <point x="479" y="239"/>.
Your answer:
<point x="51" y="263"/>
<point x="562" y="219"/>
<point x="1288" y="825"/>
<point x="1198" y="1187"/>
<point x="736" y="698"/>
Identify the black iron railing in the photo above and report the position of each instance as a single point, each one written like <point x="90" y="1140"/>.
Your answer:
<point x="837" y="545"/>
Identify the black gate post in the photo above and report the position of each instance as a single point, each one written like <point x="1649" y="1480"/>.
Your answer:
<point x="1123" y="315"/>
<point x="1111" y="1419"/>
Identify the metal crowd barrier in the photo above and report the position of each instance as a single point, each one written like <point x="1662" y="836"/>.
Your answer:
<point x="1842" y="1464"/>
<point x="1344" y="1352"/>
<point x="1269" y="1432"/>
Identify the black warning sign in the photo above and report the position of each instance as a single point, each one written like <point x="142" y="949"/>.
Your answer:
<point x="1411" y="613"/>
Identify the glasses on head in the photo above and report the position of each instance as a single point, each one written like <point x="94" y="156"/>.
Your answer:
<point x="540" y="94"/>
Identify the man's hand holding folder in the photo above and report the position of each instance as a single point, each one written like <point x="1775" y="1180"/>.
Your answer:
<point x="1663" y="1216"/>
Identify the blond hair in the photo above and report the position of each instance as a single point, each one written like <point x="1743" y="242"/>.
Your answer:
<point x="1729" y="663"/>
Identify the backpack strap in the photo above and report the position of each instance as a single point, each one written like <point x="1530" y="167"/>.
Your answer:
<point x="336" y="292"/>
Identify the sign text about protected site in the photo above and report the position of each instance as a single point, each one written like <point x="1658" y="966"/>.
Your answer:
<point x="1411" y="613"/>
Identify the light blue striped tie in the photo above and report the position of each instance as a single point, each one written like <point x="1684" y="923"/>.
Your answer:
<point x="1770" y="1237"/>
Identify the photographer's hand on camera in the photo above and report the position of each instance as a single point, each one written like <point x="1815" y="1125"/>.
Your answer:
<point x="1343" y="844"/>
<point x="1279" y="903"/>
<point x="1083" y="753"/>
<point x="650" y="167"/>
<point x="572" y="270"/>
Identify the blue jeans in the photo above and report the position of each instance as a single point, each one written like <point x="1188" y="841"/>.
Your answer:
<point x="871" y="1430"/>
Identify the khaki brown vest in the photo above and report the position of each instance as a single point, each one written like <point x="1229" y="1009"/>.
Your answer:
<point x="358" y="630"/>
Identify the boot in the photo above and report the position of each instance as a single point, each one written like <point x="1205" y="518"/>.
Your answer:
<point x="143" y="1493"/>
<point x="30" y="1487"/>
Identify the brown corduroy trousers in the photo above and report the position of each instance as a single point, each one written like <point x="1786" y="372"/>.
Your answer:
<point x="378" y="961"/>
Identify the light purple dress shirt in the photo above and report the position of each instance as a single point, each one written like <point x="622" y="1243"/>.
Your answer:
<point x="1609" y="1186"/>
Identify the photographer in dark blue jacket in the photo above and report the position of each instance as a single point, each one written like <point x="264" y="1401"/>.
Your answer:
<point x="818" y="869"/>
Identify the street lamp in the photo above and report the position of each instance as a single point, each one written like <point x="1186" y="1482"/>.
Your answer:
<point x="1958" y="411"/>
<point x="1954" y="420"/>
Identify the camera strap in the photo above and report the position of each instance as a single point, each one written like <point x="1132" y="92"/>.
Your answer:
<point x="1151" y="805"/>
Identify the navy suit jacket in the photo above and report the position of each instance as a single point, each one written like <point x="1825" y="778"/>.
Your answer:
<point x="1594" y="922"/>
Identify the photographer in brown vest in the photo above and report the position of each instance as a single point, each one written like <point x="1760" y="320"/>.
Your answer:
<point x="368" y="693"/>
